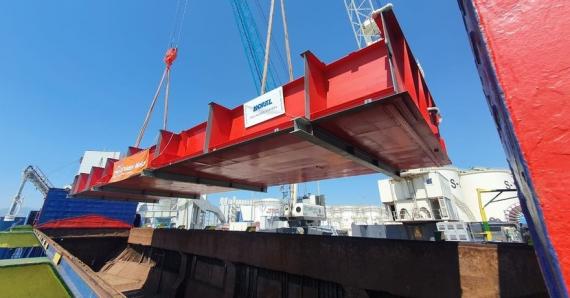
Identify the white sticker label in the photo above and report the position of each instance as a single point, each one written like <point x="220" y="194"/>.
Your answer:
<point x="264" y="107"/>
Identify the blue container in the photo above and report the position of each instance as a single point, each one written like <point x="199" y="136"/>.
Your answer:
<point x="7" y="225"/>
<point x="21" y="252"/>
<point x="58" y="206"/>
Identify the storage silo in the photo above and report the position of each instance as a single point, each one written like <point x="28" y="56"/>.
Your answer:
<point x="504" y="199"/>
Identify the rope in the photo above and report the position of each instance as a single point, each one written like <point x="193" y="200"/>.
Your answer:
<point x="267" y="47"/>
<point x="179" y="38"/>
<point x="275" y="76"/>
<point x="174" y="23"/>
<point x="166" y="93"/>
<point x="180" y="15"/>
<point x="289" y="64"/>
<point x="167" y="143"/>
<point x="170" y="56"/>
<point x="150" y="109"/>
<point x="286" y="33"/>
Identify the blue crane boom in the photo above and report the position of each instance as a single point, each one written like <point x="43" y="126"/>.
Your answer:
<point x="252" y="44"/>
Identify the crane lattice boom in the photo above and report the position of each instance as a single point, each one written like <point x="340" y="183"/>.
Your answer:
<point x="364" y="28"/>
<point x="38" y="179"/>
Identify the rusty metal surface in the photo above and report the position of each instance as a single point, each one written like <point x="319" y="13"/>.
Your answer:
<point x="86" y="233"/>
<point x="96" y="284"/>
<point x="370" y="267"/>
<point x="128" y="272"/>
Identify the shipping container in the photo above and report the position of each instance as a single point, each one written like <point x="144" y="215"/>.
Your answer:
<point x="83" y="212"/>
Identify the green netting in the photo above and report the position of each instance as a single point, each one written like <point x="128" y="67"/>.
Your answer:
<point x="18" y="239"/>
<point x="37" y="280"/>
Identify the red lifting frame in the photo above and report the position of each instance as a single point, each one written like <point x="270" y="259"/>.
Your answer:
<point x="368" y="112"/>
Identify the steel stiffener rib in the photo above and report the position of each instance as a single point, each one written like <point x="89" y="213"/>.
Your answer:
<point x="322" y="138"/>
<point x="200" y="180"/>
<point x="144" y="192"/>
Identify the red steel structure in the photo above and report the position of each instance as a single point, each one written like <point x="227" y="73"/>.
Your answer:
<point x="521" y="49"/>
<point x="368" y="112"/>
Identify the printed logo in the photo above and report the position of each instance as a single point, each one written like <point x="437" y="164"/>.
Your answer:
<point x="262" y="105"/>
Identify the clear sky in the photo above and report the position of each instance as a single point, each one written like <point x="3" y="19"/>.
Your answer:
<point x="79" y="75"/>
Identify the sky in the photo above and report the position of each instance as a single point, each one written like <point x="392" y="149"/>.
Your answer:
<point x="79" y="75"/>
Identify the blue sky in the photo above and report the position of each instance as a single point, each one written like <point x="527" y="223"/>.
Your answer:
<point x="79" y="75"/>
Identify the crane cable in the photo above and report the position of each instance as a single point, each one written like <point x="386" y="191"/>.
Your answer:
<point x="280" y="59"/>
<point x="169" y="57"/>
<point x="286" y="36"/>
<point x="293" y="188"/>
<point x="268" y="43"/>
<point x="249" y="38"/>
<point x="267" y="47"/>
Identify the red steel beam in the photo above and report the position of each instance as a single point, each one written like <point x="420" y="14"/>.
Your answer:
<point x="521" y="49"/>
<point x="355" y="121"/>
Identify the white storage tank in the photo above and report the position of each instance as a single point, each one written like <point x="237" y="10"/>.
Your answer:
<point x="489" y="179"/>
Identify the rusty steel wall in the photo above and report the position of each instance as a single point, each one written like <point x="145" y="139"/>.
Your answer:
<point x="239" y="264"/>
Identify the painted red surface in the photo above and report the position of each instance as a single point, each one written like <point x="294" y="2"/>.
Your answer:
<point x="85" y="222"/>
<point x="353" y="98"/>
<point x="529" y="42"/>
<point x="389" y="130"/>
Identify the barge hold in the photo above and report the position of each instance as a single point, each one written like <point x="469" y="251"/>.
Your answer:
<point x="192" y="263"/>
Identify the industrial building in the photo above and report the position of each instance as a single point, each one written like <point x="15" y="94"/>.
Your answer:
<point x="342" y="217"/>
<point x="180" y="213"/>
<point x="427" y="195"/>
<point x="268" y="213"/>
<point x="451" y="194"/>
